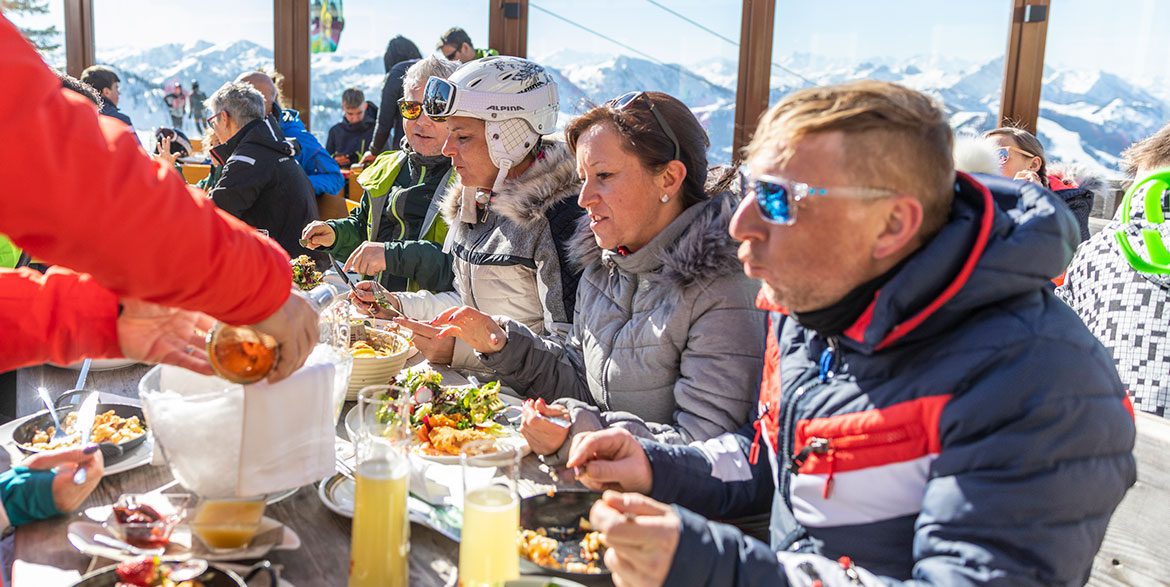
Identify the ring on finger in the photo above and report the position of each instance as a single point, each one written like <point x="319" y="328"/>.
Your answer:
<point x="190" y="349"/>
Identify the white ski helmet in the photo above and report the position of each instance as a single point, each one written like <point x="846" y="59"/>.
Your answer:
<point x="516" y="98"/>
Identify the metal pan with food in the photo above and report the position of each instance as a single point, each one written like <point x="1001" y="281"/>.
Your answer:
<point x="555" y="535"/>
<point x="117" y="428"/>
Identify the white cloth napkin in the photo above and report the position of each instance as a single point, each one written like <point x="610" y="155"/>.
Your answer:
<point x="288" y="432"/>
<point x="221" y="439"/>
<point x="26" y="574"/>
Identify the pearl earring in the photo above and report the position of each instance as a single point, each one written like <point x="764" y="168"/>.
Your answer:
<point x="664" y="199"/>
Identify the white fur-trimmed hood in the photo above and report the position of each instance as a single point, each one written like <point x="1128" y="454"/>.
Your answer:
<point x="525" y="199"/>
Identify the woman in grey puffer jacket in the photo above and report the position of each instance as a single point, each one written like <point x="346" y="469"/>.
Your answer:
<point x="666" y="339"/>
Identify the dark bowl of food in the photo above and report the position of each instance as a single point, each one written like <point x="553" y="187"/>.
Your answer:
<point x="117" y="429"/>
<point x="556" y="537"/>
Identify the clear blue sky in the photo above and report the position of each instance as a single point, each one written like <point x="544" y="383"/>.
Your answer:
<point x="1122" y="36"/>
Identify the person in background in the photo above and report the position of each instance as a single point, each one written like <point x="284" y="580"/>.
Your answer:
<point x="397" y="232"/>
<point x="401" y="54"/>
<point x="512" y="213"/>
<point x="922" y="385"/>
<point x="666" y="340"/>
<point x="152" y="306"/>
<point x="176" y="102"/>
<point x="456" y="45"/>
<point x="351" y="137"/>
<point x="170" y="145"/>
<point x="1126" y="308"/>
<point x="259" y="182"/>
<point x="108" y="85"/>
<point x="1021" y="156"/>
<point x="198" y="111"/>
<point x="324" y="174"/>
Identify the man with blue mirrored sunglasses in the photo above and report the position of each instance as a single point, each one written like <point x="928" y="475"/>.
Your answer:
<point x="928" y="412"/>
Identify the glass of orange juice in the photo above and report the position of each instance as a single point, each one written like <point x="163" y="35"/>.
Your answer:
<point x="380" y="546"/>
<point x="491" y="514"/>
<point x="227" y="524"/>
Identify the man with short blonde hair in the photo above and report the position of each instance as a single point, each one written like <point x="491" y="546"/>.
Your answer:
<point x="886" y="124"/>
<point x="929" y="412"/>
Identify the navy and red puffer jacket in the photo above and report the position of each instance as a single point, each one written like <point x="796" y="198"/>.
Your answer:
<point x="967" y="429"/>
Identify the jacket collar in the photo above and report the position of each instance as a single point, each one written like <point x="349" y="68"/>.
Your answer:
<point x="651" y="256"/>
<point x="261" y="132"/>
<point x="552" y="177"/>
<point x="982" y="256"/>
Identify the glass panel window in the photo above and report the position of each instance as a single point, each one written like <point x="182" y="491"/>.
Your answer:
<point x="952" y="50"/>
<point x="354" y="55"/>
<point x="43" y="24"/>
<point x="161" y="47"/>
<point x="1106" y="81"/>
<point x="602" y="49"/>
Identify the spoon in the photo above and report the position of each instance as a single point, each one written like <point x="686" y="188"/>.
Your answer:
<point x="58" y="431"/>
<point x="188" y="570"/>
<point x="124" y="547"/>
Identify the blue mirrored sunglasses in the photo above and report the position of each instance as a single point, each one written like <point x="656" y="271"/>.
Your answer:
<point x="776" y="197"/>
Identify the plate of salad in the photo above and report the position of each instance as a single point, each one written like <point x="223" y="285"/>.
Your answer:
<point x="444" y="418"/>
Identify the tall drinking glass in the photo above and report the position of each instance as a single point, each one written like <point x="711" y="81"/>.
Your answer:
<point x="380" y="546"/>
<point x="491" y="514"/>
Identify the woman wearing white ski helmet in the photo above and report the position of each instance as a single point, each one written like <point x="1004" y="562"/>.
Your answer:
<point x="513" y="209"/>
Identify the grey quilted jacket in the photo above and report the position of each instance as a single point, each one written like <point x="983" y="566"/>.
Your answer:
<point x="666" y="341"/>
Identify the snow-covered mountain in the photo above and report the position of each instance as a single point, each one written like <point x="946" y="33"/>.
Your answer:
<point x="1088" y="117"/>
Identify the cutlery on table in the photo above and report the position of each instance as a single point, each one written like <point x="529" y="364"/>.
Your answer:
<point x="379" y="297"/>
<point x="85" y="417"/>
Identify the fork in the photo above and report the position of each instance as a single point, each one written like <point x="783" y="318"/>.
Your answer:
<point x="58" y="429"/>
<point x="345" y="469"/>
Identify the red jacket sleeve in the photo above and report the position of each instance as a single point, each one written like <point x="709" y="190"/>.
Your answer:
<point x="61" y="317"/>
<point x="80" y="192"/>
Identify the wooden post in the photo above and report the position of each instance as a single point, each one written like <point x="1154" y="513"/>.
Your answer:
<point x="1024" y="64"/>
<point x="508" y="27"/>
<point x="290" y="41"/>
<point x="755" y="68"/>
<point x="79" y="43"/>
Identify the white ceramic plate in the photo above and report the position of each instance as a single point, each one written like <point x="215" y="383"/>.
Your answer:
<point x="99" y="364"/>
<point x="137" y="457"/>
<point x="337" y="493"/>
<point x="272" y="536"/>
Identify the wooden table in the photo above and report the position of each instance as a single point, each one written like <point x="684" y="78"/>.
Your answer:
<point x="323" y="558"/>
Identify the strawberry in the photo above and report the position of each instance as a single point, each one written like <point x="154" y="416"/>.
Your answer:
<point x="141" y="572"/>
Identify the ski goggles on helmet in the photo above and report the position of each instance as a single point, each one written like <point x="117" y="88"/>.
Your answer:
<point x="776" y="197"/>
<point x="624" y="100"/>
<point x="443" y="99"/>
<point x="438" y="99"/>
<point x="409" y="109"/>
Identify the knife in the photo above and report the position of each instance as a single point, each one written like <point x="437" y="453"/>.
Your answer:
<point x="85" y="417"/>
<point x="379" y="297"/>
